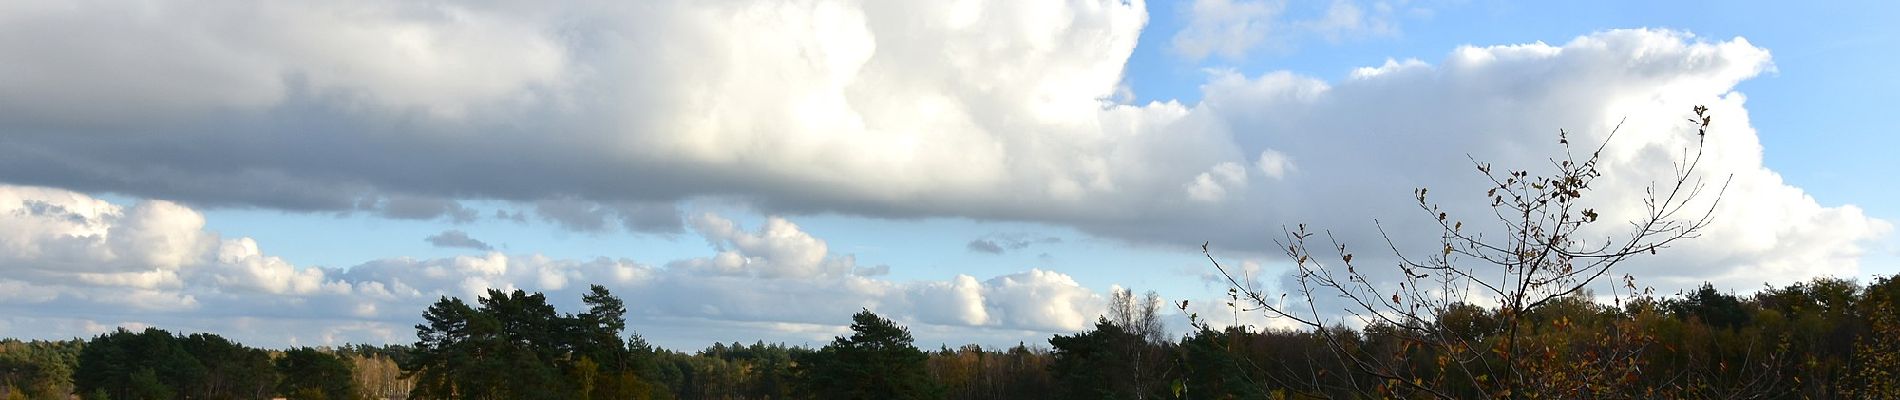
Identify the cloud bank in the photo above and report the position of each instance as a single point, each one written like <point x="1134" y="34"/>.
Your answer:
<point x="87" y="265"/>
<point x="604" y="115"/>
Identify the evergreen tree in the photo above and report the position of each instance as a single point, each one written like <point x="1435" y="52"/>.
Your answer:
<point x="1092" y="365"/>
<point x="1216" y="367"/>
<point x="147" y="365"/>
<point x="516" y="346"/>
<point x="876" y="362"/>
<point x="312" y="374"/>
<point x="461" y="354"/>
<point x="231" y="370"/>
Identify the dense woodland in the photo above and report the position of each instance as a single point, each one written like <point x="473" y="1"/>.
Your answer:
<point x="1827" y="338"/>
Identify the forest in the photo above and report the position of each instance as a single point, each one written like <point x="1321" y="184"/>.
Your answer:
<point x="1826" y="338"/>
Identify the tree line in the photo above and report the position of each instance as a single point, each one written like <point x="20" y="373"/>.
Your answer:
<point x="156" y="364"/>
<point x="1826" y="338"/>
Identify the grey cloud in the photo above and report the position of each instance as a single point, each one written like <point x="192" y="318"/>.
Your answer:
<point x="320" y="142"/>
<point x="48" y="209"/>
<point x="985" y="246"/>
<point x="575" y="214"/>
<point x="651" y="217"/>
<point x="590" y="216"/>
<point x="517" y="216"/>
<point x="457" y="239"/>
<point x="420" y="208"/>
<point x="1002" y="243"/>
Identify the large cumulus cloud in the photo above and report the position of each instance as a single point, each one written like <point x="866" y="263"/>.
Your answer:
<point x="1503" y="105"/>
<point x="882" y="105"/>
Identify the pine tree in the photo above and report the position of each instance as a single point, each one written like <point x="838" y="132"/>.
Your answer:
<point x="876" y="362"/>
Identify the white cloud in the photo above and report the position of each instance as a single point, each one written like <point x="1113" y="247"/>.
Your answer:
<point x="778" y="250"/>
<point x="72" y="236"/>
<point x="160" y="234"/>
<point x="784" y="277"/>
<point x="1033" y="300"/>
<point x="958" y="301"/>
<point x="241" y="265"/>
<point x="1040" y="299"/>
<point x="1274" y="164"/>
<point x="1511" y="100"/>
<point x="1212" y="186"/>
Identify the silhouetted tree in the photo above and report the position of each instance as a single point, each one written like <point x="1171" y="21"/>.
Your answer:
<point x="1712" y="307"/>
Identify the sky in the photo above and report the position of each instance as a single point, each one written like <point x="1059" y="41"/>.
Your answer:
<point x="317" y="173"/>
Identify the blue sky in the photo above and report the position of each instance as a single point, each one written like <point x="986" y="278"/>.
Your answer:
<point x="843" y="155"/>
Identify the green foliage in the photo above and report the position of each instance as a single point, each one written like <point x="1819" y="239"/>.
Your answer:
<point x="1217" y="367"/>
<point x="231" y="370"/>
<point x="1713" y="307"/>
<point x="876" y="362"/>
<point x="308" y="372"/>
<point x="722" y="371"/>
<point x="1875" y="371"/>
<point x="144" y="384"/>
<point x="154" y="364"/>
<point x="1127" y="354"/>
<point x="147" y="365"/>
<point x="971" y="372"/>
<point x="516" y="346"/>
<point x="38" y="370"/>
<point x="1091" y="365"/>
